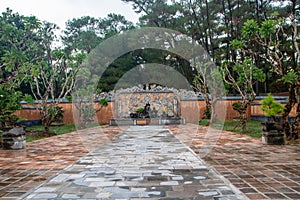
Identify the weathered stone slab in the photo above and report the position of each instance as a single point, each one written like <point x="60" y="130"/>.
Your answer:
<point x="14" y="138"/>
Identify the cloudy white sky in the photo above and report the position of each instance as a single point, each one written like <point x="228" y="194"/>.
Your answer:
<point x="59" y="11"/>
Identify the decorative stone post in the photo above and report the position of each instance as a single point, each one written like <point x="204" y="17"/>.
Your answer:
<point x="14" y="139"/>
<point x="272" y="134"/>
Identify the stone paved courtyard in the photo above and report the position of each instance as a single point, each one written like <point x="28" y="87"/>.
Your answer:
<point x="259" y="171"/>
<point x="142" y="162"/>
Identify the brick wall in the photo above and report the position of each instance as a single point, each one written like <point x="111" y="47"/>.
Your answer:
<point x="191" y="110"/>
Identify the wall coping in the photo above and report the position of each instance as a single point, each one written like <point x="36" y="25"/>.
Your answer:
<point x="281" y="99"/>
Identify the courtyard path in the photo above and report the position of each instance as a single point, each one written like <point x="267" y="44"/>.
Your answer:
<point x="258" y="171"/>
<point x="144" y="162"/>
<point x="22" y="170"/>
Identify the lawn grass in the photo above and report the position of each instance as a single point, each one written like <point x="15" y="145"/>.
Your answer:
<point x="33" y="138"/>
<point x="253" y="127"/>
<point x="57" y="130"/>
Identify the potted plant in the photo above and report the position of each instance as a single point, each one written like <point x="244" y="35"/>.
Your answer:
<point x="139" y="112"/>
<point x="12" y="136"/>
<point x="272" y="129"/>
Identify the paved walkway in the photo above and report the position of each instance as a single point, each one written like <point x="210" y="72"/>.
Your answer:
<point x="259" y="171"/>
<point x="143" y="162"/>
<point x="22" y="170"/>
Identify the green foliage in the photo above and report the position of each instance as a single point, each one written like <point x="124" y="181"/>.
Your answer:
<point x="30" y="138"/>
<point x="85" y="33"/>
<point x="56" y="113"/>
<point x="58" y="130"/>
<point x="19" y="46"/>
<point x="250" y="28"/>
<point x="204" y="122"/>
<point x="236" y="44"/>
<point x="103" y="102"/>
<point x="28" y="98"/>
<point x="290" y="78"/>
<point x="140" y="110"/>
<point x="69" y="98"/>
<point x="271" y="107"/>
<point x="111" y="76"/>
<point x="267" y="28"/>
<point x="237" y="106"/>
<point x="85" y="96"/>
<point x="246" y="71"/>
<point x="253" y="128"/>
<point x="9" y="103"/>
<point x="207" y="112"/>
<point x="244" y="75"/>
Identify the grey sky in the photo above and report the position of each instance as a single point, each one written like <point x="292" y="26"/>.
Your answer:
<point x="59" y="11"/>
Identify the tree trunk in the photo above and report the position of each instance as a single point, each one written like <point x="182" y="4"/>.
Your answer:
<point x="243" y="117"/>
<point x="208" y="107"/>
<point x="213" y="110"/>
<point x="46" y="125"/>
<point x="296" y="125"/>
<point x="285" y="116"/>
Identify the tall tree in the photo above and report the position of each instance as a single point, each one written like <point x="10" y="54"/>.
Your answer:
<point x="19" y="46"/>
<point x="242" y="75"/>
<point x="81" y="34"/>
<point x="278" y="40"/>
<point x="51" y="75"/>
<point x="85" y="33"/>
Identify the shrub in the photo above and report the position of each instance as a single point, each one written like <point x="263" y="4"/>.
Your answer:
<point x="271" y="108"/>
<point x="9" y="103"/>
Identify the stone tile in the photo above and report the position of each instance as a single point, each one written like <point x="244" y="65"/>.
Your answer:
<point x="46" y="189"/>
<point x="169" y="183"/>
<point x="45" y="196"/>
<point x="256" y="196"/>
<point x="70" y="196"/>
<point x="102" y="184"/>
<point x="44" y="158"/>
<point x="133" y="166"/>
<point x="208" y="193"/>
<point x="233" y="152"/>
<point x="250" y="166"/>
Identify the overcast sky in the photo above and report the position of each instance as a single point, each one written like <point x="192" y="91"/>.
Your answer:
<point x="59" y="11"/>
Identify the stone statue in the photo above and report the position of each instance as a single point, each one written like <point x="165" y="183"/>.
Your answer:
<point x="144" y="114"/>
<point x="146" y="111"/>
<point x="154" y="113"/>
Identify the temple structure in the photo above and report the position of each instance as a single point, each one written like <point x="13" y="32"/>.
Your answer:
<point x="148" y="104"/>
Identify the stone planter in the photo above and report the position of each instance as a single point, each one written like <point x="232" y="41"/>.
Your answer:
<point x="14" y="138"/>
<point x="272" y="134"/>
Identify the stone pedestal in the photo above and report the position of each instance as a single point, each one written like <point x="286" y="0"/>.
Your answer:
<point x="14" y="139"/>
<point x="272" y="134"/>
<point x="147" y="121"/>
<point x="273" y="137"/>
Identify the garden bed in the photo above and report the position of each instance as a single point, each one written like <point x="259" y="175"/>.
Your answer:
<point x="253" y="127"/>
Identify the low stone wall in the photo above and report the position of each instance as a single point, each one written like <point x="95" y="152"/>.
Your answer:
<point x="191" y="110"/>
<point x="30" y="113"/>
